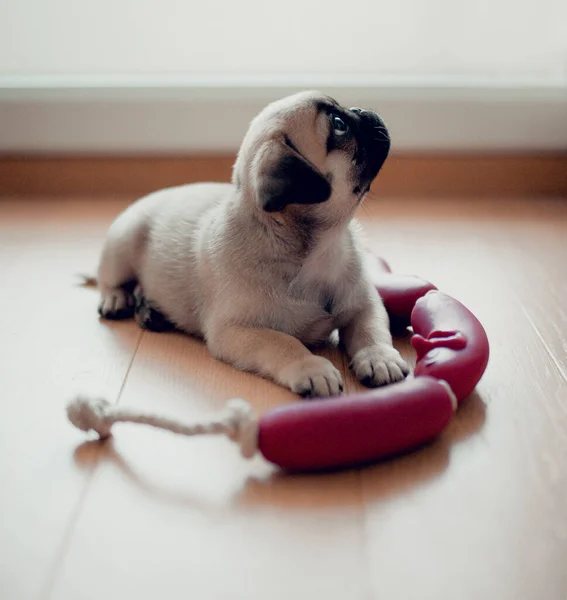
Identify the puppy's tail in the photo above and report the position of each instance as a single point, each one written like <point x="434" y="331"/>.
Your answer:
<point x="88" y="281"/>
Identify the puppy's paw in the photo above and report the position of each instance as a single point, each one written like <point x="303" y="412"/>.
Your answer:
<point x="116" y="303"/>
<point x="312" y="376"/>
<point x="378" y="365"/>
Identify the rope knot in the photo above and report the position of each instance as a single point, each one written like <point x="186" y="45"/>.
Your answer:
<point x="243" y="426"/>
<point x="90" y="414"/>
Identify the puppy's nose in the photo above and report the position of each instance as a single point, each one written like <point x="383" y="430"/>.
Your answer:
<point x="369" y="116"/>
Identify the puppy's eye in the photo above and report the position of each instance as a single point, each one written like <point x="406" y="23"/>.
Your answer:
<point x="339" y="126"/>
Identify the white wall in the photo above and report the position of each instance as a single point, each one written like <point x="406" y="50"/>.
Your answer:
<point x="510" y="38"/>
<point x="146" y="74"/>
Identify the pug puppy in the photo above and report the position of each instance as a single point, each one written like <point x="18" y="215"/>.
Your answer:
<point x="270" y="265"/>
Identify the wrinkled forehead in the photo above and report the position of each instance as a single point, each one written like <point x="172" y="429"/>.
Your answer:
<point x="304" y="117"/>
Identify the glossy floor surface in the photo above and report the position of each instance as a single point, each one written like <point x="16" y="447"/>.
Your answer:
<point x="480" y="513"/>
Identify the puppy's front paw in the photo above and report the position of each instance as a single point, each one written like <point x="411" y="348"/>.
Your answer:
<point x="313" y="376"/>
<point x="116" y="303"/>
<point x="378" y="365"/>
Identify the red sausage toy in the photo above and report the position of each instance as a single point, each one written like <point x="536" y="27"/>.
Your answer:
<point x="356" y="429"/>
<point x="450" y="342"/>
<point x="398" y="292"/>
<point x="452" y="354"/>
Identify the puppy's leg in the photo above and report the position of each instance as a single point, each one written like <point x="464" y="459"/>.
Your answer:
<point x="116" y="272"/>
<point x="368" y="342"/>
<point x="116" y="303"/>
<point x="277" y="356"/>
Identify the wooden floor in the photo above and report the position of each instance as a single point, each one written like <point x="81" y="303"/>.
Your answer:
<point x="480" y="514"/>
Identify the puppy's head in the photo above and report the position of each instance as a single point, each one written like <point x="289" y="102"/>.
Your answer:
<point x="308" y="154"/>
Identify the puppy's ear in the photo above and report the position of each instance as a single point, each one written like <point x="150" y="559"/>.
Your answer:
<point x="287" y="178"/>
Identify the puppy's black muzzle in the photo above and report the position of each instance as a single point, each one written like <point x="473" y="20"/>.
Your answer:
<point x="373" y="146"/>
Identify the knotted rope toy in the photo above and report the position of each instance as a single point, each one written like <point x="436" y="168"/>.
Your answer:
<point x="330" y="433"/>
<point x="237" y="422"/>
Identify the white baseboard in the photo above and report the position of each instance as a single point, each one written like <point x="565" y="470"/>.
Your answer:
<point x="125" y="115"/>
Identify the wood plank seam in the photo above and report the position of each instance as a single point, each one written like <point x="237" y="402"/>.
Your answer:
<point x="62" y="552"/>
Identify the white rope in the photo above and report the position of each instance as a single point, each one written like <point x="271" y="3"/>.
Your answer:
<point x="238" y="422"/>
